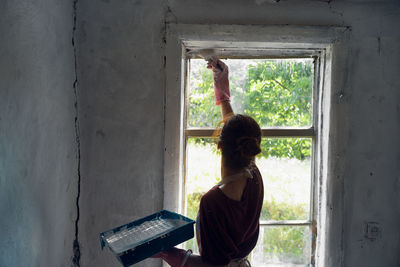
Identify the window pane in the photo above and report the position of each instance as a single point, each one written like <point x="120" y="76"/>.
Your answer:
<point x="203" y="163"/>
<point x="282" y="246"/>
<point x="277" y="93"/>
<point x="202" y="109"/>
<point x="285" y="165"/>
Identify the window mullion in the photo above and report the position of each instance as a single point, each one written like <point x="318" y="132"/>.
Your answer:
<point x="277" y="132"/>
<point x="186" y="79"/>
<point x="285" y="222"/>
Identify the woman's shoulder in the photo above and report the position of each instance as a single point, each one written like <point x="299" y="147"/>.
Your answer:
<point x="210" y="202"/>
<point x="211" y="195"/>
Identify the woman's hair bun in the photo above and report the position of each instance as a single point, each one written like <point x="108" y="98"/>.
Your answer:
<point x="248" y="146"/>
<point x="240" y="141"/>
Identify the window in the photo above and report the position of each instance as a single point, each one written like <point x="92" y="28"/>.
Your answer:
<point x="280" y="76"/>
<point x="278" y="93"/>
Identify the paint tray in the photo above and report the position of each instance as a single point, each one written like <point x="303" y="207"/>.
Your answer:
<point x="140" y="239"/>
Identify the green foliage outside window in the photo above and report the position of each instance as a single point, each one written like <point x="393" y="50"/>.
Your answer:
<point x="287" y="244"/>
<point x="282" y="211"/>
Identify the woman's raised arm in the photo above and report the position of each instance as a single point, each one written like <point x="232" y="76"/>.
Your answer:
<point x="221" y="86"/>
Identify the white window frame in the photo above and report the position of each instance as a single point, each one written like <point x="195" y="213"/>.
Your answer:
<point x="254" y="41"/>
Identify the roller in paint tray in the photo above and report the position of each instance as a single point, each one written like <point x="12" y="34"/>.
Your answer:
<point x="140" y="239"/>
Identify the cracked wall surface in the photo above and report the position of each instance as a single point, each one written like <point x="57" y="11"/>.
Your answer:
<point x="37" y="137"/>
<point x="76" y="246"/>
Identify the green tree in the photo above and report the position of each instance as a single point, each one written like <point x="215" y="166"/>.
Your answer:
<point x="287" y="243"/>
<point x="202" y="109"/>
<point x="279" y="94"/>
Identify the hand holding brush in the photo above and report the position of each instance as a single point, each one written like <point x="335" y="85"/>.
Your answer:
<point x="221" y="79"/>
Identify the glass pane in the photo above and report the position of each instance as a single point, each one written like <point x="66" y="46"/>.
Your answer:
<point x="203" y="163"/>
<point x="282" y="246"/>
<point x="277" y="93"/>
<point x="285" y="165"/>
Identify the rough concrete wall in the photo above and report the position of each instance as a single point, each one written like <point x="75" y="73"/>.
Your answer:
<point x="371" y="157"/>
<point x="37" y="135"/>
<point x="121" y="84"/>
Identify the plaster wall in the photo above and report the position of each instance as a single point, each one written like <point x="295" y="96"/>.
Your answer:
<point x="121" y="87"/>
<point x="120" y="56"/>
<point x="121" y="77"/>
<point x="37" y="136"/>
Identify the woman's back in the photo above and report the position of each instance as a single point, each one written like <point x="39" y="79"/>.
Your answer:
<point x="228" y="228"/>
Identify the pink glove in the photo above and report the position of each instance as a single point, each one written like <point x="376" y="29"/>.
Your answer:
<point x="221" y="81"/>
<point x="175" y="257"/>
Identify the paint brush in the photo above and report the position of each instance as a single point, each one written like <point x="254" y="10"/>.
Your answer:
<point x="209" y="55"/>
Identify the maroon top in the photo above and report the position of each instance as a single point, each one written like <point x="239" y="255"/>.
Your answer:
<point x="228" y="228"/>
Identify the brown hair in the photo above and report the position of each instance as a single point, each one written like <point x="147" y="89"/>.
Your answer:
<point x="240" y="141"/>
